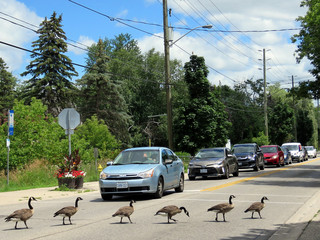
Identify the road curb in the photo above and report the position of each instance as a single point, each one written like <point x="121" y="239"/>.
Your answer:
<point x="294" y="227"/>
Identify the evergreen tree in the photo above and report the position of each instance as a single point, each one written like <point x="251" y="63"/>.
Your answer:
<point x="100" y="95"/>
<point x="202" y="119"/>
<point x="7" y="88"/>
<point x="51" y="70"/>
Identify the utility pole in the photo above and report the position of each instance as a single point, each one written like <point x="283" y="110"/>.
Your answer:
<point x="294" y="111"/>
<point x="167" y="72"/>
<point x="265" y="95"/>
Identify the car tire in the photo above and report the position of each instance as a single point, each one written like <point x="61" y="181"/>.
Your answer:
<point x="159" y="192"/>
<point x="256" y="167"/>
<point x="180" y="188"/>
<point x="191" y="178"/>
<point x="236" y="173"/>
<point x="226" y="172"/>
<point x="106" y="197"/>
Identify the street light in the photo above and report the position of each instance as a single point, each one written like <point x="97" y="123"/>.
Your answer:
<point x="167" y="68"/>
<point x="205" y="26"/>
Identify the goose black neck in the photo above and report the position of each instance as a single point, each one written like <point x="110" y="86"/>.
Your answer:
<point x="29" y="203"/>
<point x="262" y="200"/>
<point x="230" y="199"/>
<point x="184" y="209"/>
<point x="131" y="204"/>
<point x="77" y="200"/>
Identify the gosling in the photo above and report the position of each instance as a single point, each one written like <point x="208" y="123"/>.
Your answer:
<point x="68" y="211"/>
<point x="257" y="207"/>
<point x="22" y="215"/>
<point x="170" y="211"/>
<point x="223" y="208"/>
<point x="125" y="211"/>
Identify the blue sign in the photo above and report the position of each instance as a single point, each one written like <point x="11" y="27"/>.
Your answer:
<point x="11" y="121"/>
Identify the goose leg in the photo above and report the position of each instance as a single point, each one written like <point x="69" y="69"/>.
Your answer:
<point x="168" y="219"/>
<point x="252" y="214"/>
<point x="70" y="220"/>
<point x="25" y="223"/>
<point x="63" y="221"/>
<point x="16" y="225"/>
<point x="121" y="220"/>
<point x="223" y="217"/>
<point x="129" y="219"/>
<point x="259" y="214"/>
<point x="217" y="217"/>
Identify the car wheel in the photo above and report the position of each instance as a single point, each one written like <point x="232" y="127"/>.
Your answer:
<point x="106" y="197"/>
<point x="181" y="184"/>
<point x="159" y="192"/>
<point x="226" y="172"/>
<point x="236" y="173"/>
<point x="256" y="167"/>
<point x="191" y="178"/>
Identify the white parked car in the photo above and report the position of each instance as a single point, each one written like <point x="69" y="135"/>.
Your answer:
<point x="312" y="152"/>
<point x="295" y="149"/>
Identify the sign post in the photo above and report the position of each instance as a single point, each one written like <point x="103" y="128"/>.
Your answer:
<point x="69" y="119"/>
<point x="10" y="133"/>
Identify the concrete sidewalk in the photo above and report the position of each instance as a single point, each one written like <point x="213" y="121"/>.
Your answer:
<point x="15" y="197"/>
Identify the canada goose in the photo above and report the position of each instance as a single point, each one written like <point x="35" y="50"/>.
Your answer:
<point x="170" y="211"/>
<point x="68" y="211"/>
<point x="223" y="208"/>
<point x="22" y="214"/>
<point x="125" y="211"/>
<point x="257" y="207"/>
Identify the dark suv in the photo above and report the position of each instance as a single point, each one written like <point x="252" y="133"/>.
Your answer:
<point x="249" y="155"/>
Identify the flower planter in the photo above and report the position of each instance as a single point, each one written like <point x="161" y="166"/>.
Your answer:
<point x="78" y="182"/>
<point x="67" y="182"/>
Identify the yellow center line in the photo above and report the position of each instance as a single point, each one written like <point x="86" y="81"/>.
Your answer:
<point x="251" y="178"/>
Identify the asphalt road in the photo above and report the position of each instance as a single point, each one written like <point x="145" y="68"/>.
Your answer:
<point x="288" y="188"/>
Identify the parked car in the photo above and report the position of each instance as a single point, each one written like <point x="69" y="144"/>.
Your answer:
<point x="305" y="154"/>
<point x="213" y="162"/>
<point x="150" y="170"/>
<point x="287" y="155"/>
<point x="249" y="155"/>
<point x="312" y="152"/>
<point x="273" y="155"/>
<point x="295" y="149"/>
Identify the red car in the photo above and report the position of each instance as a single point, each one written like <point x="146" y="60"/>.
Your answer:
<point x="273" y="155"/>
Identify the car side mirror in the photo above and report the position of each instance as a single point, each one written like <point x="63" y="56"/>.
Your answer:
<point x="168" y="161"/>
<point x="109" y="163"/>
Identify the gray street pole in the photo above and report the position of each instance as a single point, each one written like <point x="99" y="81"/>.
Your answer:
<point x="265" y="100"/>
<point x="167" y="73"/>
<point x="294" y="111"/>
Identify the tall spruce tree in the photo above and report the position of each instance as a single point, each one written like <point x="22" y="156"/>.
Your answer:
<point x="51" y="70"/>
<point x="202" y="119"/>
<point x="7" y="88"/>
<point x="100" y="95"/>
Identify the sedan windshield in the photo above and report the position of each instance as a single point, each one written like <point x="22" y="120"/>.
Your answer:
<point x="269" y="149"/>
<point x="214" y="153"/>
<point x="243" y="149"/>
<point x="292" y="147"/>
<point x="137" y="157"/>
<point x="309" y="148"/>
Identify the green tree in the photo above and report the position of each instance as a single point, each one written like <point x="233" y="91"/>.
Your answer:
<point x="51" y="69"/>
<point x="7" y="88"/>
<point x="202" y="121"/>
<point x="308" y="40"/>
<point x="100" y="95"/>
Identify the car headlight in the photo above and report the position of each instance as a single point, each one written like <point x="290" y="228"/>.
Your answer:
<point x="190" y="164"/>
<point x="275" y="156"/>
<point x="251" y="157"/>
<point x="103" y="175"/>
<point x="218" y="164"/>
<point x="146" y="174"/>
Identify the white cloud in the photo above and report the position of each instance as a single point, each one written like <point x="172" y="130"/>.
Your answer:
<point x="236" y="55"/>
<point x="16" y="35"/>
<point x="82" y="44"/>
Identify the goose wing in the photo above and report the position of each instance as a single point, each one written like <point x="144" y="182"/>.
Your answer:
<point x="124" y="211"/>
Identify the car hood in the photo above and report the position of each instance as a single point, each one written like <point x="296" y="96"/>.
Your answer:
<point x="206" y="161"/>
<point x="243" y="154"/>
<point x="129" y="168"/>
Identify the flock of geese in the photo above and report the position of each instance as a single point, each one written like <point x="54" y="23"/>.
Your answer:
<point x="22" y="215"/>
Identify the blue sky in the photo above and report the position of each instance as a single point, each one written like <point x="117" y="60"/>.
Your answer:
<point x="231" y="57"/>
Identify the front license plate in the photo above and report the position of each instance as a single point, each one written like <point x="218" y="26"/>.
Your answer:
<point x="122" y="185"/>
<point x="203" y="170"/>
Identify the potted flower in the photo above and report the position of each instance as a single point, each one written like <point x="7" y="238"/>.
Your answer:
<point x="69" y="173"/>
